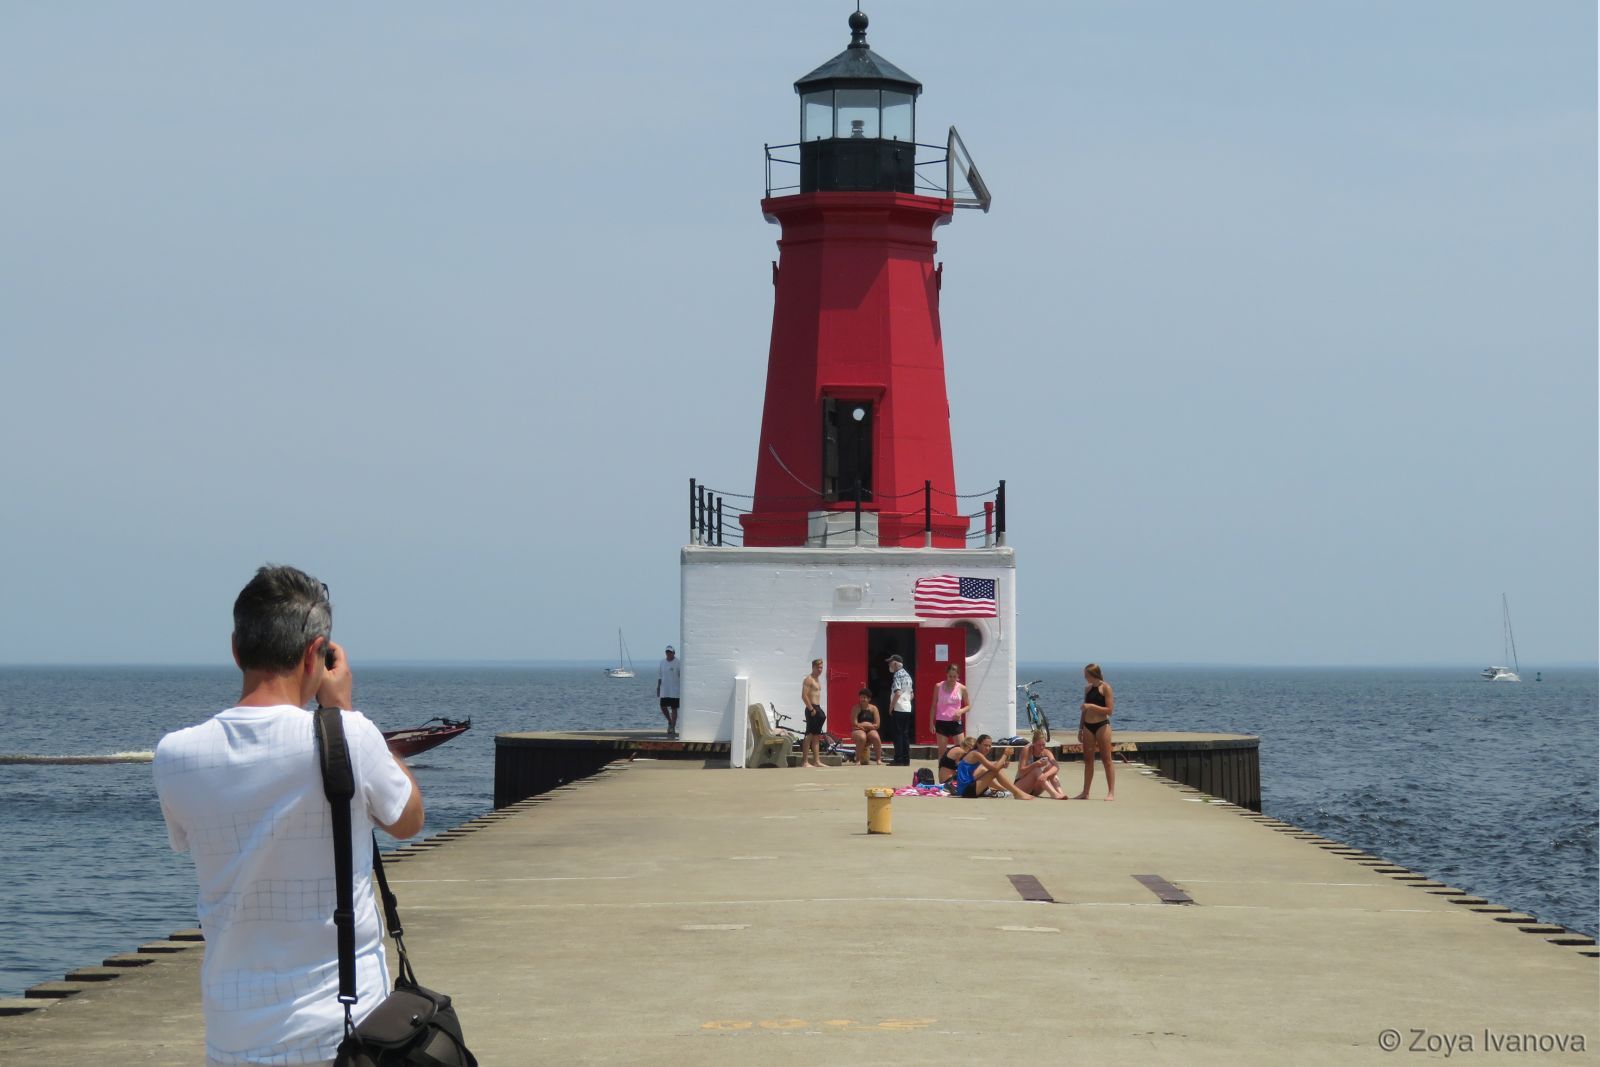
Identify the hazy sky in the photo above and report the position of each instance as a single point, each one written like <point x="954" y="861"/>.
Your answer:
<point x="1282" y="329"/>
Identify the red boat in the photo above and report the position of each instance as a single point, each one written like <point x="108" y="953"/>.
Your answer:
<point x="415" y="739"/>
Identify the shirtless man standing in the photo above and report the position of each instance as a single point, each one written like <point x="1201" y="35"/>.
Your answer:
<point x="816" y="718"/>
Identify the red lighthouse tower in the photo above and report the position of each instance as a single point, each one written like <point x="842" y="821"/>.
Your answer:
<point x="856" y="418"/>
<point x="854" y="548"/>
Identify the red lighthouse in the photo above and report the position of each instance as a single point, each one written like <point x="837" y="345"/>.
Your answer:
<point x="857" y="419"/>
<point x="854" y="546"/>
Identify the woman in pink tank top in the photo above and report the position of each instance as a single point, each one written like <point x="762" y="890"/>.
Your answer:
<point x="951" y="703"/>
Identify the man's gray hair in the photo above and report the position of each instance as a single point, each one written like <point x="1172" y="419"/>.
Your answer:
<point x="277" y="615"/>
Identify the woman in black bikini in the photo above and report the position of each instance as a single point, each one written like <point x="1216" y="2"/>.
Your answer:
<point x="867" y="729"/>
<point x="1094" y="730"/>
<point x="948" y="761"/>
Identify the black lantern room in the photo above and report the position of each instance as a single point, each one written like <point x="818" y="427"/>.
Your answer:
<point x="858" y="122"/>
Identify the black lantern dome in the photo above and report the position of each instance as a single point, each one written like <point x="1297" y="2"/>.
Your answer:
<point x="858" y="122"/>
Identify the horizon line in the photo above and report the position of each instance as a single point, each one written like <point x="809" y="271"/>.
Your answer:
<point x="601" y="664"/>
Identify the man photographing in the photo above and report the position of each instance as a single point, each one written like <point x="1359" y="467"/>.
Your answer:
<point x="242" y="793"/>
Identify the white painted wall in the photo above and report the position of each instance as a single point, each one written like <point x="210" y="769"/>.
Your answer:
<point x="763" y="613"/>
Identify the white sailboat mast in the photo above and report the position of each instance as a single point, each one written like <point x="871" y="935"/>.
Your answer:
<point x="1511" y="638"/>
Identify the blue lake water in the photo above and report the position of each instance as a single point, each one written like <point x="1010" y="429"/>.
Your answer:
<point x="1489" y="787"/>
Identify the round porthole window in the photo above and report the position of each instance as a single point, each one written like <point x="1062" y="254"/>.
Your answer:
<point x="975" y="638"/>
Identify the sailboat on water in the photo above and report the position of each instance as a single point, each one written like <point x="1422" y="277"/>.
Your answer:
<point x="1505" y="674"/>
<point x="619" y="671"/>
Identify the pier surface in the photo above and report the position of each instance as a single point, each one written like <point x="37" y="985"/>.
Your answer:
<point x="664" y="913"/>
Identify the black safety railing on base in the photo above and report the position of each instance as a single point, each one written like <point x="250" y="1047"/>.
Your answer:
<point x="713" y="522"/>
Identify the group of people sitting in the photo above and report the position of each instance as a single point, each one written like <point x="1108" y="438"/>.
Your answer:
<point x="965" y="766"/>
<point x="967" y="769"/>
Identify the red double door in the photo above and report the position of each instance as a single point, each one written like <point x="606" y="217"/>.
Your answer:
<point x="857" y="655"/>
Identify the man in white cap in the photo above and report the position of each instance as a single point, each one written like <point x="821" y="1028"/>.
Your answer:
<point x="667" y="690"/>
<point x="901" y="715"/>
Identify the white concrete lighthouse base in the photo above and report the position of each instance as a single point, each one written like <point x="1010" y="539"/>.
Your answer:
<point x="761" y="615"/>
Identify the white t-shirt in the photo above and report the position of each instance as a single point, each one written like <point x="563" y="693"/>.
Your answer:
<point x="667" y="676"/>
<point x="242" y="793"/>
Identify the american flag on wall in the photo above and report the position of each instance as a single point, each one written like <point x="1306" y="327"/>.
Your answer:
<point x="950" y="597"/>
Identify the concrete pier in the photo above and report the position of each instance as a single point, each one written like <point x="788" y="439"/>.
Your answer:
<point x="661" y="913"/>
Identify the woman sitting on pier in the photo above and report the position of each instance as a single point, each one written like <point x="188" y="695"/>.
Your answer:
<point x="948" y="761"/>
<point x="976" y="773"/>
<point x="868" y="729"/>
<point x="1037" y="771"/>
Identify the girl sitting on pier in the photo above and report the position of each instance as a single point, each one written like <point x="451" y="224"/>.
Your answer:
<point x="948" y="761"/>
<point x="976" y="773"/>
<point x="867" y="729"/>
<point x="1037" y="771"/>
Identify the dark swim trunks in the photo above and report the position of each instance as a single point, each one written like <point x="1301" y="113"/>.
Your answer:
<point x="816" y="720"/>
<point x="953" y="728"/>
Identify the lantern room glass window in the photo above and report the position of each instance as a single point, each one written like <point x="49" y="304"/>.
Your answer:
<point x="834" y="113"/>
<point x="897" y="122"/>
<point x="857" y="113"/>
<point x="816" y="115"/>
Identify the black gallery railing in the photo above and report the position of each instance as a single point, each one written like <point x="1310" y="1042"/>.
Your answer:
<point x="713" y="520"/>
<point x="961" y="181"/>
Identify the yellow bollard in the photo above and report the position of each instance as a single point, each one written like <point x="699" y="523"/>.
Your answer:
<point x="880" y="818"/>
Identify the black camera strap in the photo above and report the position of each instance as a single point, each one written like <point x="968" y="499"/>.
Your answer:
<point x="338" y="784"/>
<point x="391" y="914"/>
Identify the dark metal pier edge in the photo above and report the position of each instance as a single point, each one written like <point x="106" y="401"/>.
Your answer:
<point x="526" y="765"/>
<point x="1226" y="768"/>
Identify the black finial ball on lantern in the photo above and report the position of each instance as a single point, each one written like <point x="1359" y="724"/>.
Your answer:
<point x="858" y="122"/>
<point x="858" y="29"/>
